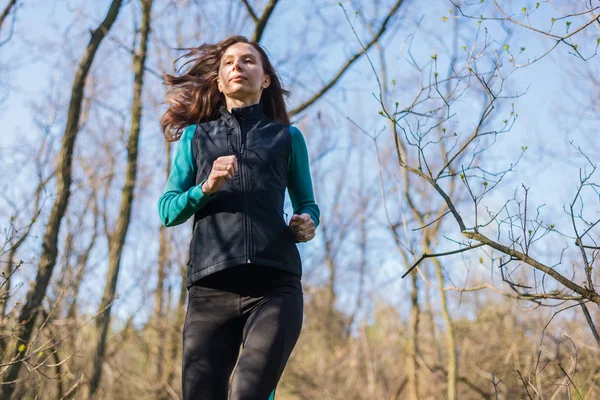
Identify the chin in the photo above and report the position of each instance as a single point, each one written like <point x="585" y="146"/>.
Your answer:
<point x="242" y="94"/>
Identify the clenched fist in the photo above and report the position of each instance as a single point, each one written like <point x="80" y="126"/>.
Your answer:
<point x="222" y="170"/>
<point x="303" y="227"/>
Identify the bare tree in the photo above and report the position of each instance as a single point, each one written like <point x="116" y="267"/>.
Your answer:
<point x="413" y="142"/>
<point x="523" y="230"/>
<point x="412" y="129"/>
<point x="467" y="172"/>
<point x="116" y="238"/>
<point x="49" y="247"/>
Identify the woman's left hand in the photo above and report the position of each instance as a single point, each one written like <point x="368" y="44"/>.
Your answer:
<point x="303" y="227"/>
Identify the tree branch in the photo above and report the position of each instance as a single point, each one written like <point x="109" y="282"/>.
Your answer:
<point x="11" y="4"/>
<point x="348" y="64"/>
<point x="593" y="297"/>
<point x="261" y="23"/>
<point x="425" y="255"/>
<point x="250" y="10"/>
<point x="590" y="322"/>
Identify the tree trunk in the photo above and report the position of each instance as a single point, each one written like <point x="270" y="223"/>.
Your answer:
<point x="64" y="177"/>
<point x="178" y="324"/>
<point x="158" y="306"/>
<point x="450" y="344"/>
<point x="117" y="238"/>
<point x="163" y="259"/>
<point x="413" y="350"/>
<point x="331" y="294"/>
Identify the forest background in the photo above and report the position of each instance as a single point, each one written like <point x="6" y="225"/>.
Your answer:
<point x="453" y="149"/>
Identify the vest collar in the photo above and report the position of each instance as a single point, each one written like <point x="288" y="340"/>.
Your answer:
<point x="249" y="113"/>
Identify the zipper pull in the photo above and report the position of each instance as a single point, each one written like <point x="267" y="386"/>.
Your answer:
<point x="243" y="147"/>
<point x="231" y="151"/>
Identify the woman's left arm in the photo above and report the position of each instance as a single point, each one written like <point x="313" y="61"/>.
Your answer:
<point x="300" y="189"/>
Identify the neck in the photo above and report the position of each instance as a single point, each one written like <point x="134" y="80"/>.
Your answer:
<point x="240" y="103"/>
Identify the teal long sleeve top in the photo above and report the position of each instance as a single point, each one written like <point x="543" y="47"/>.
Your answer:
<point x="182" y="198"/>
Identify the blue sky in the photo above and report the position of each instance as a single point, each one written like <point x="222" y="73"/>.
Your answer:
<point x="550" y="167"/>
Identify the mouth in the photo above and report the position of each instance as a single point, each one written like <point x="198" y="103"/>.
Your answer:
<point x="238" y="78"/>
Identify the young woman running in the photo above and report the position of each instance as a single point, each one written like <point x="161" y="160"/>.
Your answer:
<point x="237" y="154"/>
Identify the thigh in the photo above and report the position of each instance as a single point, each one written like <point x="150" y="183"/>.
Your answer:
<point x="271" y="330"/>
<point x="212" y="335"/>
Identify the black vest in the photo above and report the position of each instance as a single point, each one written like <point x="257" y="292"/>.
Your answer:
<point x="243" y="223"/>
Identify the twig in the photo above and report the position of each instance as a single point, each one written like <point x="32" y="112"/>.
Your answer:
<point x="71" y="392"/>
<point x="570" y="380"/>
<point x="425" y="255"/>
<point x="250" y="10"/>
<point x="590" y="322"/>
<point x="524" y="384"/>
<point x="495" y="383"/>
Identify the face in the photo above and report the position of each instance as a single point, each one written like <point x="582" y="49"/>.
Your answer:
<point x="241" y="74"/>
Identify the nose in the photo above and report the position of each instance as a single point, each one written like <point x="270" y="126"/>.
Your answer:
<point x="236" y="65"/>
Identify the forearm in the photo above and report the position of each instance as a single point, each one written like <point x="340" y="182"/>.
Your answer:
<point x="182" y="198"/>
<point x="176" y="207"/>
<point x="299" y="180"/>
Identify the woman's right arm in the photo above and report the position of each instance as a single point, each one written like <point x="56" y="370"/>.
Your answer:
<point x="182" y="197"/>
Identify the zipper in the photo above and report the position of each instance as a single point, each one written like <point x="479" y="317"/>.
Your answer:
<point x="247" y="229"/>
<point x="247" y="213"/>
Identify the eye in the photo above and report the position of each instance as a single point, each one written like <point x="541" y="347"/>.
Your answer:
<point x="249" y="60"/>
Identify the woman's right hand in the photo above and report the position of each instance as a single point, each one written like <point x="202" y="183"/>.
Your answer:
<point x="222" y="170"/>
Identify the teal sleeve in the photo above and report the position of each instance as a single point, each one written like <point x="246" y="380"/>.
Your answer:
<point x="182" y="197"/>
<point x="299" y="181"/>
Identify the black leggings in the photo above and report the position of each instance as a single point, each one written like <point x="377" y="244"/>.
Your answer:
<point x="257" y="307"/>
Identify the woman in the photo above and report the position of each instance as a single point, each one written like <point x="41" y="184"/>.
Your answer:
<point x="236" y="156"/>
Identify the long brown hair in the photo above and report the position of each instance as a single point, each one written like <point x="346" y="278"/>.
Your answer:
<point x="194" y="96"/>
